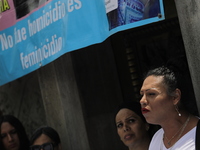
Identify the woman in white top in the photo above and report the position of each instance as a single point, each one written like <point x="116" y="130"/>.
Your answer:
<point x="165" y="91"/>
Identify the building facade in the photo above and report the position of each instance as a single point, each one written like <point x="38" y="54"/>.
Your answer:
<point x="77" y="94"/>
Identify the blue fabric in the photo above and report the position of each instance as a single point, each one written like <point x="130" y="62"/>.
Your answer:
<point x="53" y="29"/>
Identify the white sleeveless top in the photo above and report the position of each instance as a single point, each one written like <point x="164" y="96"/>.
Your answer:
<point x="187" y="142"/>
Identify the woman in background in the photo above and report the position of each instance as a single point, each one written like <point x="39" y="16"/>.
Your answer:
<point x="45" y="138"/>
<point x="13" y="135"/>
<point x="132" y="127"/>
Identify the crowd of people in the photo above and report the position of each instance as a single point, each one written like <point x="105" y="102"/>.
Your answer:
<point x="162" y="120"/>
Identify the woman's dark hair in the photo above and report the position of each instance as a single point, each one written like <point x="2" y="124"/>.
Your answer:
<point x="176" y="74"/>
<point x="169" y="78"/>
<point x="48" y="131"/>
<point x="23" y="138"/>
<point x="132" y="105"/>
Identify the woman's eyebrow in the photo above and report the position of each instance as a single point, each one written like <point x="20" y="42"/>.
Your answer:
<point x="118" y="122"/>
<point x="149" y="89"/>
<point x="130" y="117"/>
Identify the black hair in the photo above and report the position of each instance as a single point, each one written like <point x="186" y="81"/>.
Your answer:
<point x="169" y="78"/>
<point x="48" y="131"/>
<point x="23" y="138"/>
<point x="132" y="105"/>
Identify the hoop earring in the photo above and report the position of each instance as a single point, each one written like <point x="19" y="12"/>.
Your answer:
<point x="177" y="110"/>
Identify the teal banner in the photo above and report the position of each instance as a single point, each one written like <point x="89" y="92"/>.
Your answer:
<point x="34" y="33"/>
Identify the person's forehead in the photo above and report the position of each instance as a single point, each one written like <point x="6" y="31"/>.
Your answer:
<point x="152" y="82"/>
<point x="6" y="127"/>
<point x="42" y="139"/>
<point x="125" y="113"/>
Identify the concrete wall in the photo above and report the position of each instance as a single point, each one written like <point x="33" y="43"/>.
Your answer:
<point x="22" y="98"/>
<point x="100" y="91"/>
<point x="62" y="103"/>
<point x="189" y="14"/>
<point x="80" y="91"/>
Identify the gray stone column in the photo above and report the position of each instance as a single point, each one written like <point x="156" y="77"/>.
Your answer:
<point x="189" y="18"/>
<point x="62" y="103"/>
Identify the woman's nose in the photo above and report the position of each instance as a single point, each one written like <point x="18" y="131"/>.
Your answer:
<point x="143" y="100"/>
<point x="126" y="128"/>
<point x="10" y="138"/>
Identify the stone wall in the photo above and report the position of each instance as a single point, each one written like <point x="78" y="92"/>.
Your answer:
<point x="22" y="98"/>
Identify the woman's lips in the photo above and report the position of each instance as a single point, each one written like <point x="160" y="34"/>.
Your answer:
<point x="13" y="145"/>
<point x="128" y="136"/>
<point x="144" y="110"/>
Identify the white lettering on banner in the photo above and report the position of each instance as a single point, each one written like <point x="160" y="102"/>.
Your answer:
<point x="6" y="41"/>
<point x="20" y="35"/>
<point x="53" y="15"/>
<point x="73" y="4"/>
<point x="50" y="48"/>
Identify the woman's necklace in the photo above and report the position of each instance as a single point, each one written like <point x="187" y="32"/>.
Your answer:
<point x="180" y="130"/>
<point x="169" y="140"/>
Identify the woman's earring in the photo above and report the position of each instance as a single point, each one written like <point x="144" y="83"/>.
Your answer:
<point x="176" y="107"/>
